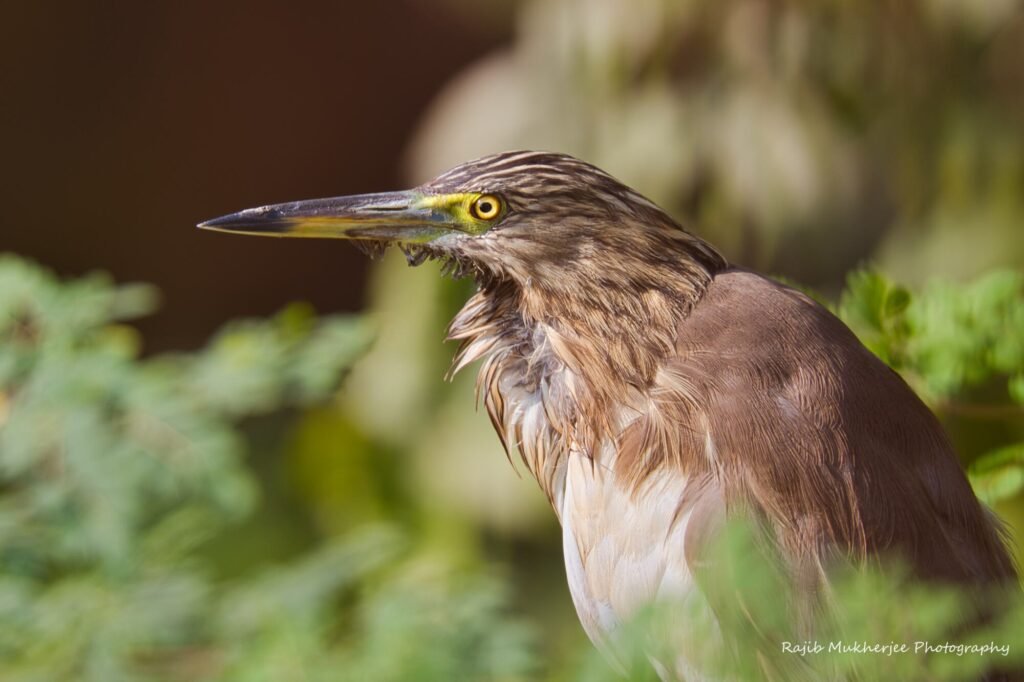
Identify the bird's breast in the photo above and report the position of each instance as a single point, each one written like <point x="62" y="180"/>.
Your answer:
<point x="624" y="548"/>
<point x="625" y="542"/>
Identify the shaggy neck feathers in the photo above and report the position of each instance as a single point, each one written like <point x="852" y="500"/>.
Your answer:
<point x="578" y="338"/>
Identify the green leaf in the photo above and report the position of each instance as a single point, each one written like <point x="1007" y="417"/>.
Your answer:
<point x="875" y="308"/>
<point x="998" y="475"/>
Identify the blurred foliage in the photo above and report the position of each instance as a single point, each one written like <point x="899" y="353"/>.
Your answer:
<point x="948" y="337"/>
<point x="116" y="472"/>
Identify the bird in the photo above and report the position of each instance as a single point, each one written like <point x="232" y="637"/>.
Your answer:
<point x="654" y="390"/>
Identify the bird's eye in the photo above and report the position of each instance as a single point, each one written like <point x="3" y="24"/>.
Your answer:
<point x="485" y="207"/>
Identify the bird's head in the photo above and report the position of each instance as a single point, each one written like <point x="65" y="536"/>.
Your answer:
<point x="528" y="217"/>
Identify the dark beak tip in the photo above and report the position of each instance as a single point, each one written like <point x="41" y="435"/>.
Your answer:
<point x="215" y="223"/>
<point x="232" y="221"/>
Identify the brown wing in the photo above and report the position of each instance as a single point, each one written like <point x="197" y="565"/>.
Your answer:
<point x="828" y="444"/>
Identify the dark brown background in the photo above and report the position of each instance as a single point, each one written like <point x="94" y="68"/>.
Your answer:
<point x="123" y="124"/>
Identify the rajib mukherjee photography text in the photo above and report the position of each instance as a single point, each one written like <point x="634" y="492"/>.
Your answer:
<point x="893" y="648"/>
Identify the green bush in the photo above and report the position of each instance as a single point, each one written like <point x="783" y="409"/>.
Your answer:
<point x="117" y="471"/>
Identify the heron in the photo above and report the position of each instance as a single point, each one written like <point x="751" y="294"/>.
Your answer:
<point x="653" y="389"/>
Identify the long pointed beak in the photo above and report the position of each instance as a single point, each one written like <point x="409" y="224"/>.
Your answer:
<point x="386" y="216"/>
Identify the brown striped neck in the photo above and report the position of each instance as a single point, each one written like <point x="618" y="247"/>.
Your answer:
<point x="587" y="341"/>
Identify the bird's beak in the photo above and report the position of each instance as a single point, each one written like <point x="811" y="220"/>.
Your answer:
<point x="388" y="216"/>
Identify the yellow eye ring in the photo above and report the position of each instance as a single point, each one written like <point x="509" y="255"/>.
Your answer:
<point x="485" y="207"/>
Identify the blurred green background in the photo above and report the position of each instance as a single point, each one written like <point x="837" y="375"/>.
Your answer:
<point x="303" y="497"/>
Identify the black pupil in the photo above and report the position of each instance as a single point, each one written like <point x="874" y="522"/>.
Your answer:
<point x="484" y="207"/>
